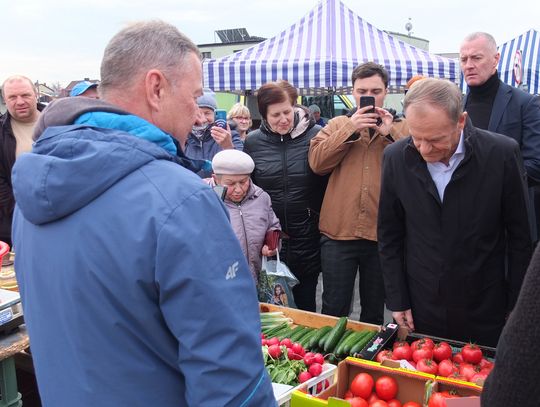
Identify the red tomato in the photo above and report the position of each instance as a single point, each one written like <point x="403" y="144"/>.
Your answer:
<point x="442" y="351"/>
<point x="362" y="385"/>
<point x="402" y="350"/>
<point x="386" y="387"/>
<point x="357" y="402"/>
<point x="348" y="395"/>
<point x="479" y="378"/>
<point x="438" y="399"/>
<point x="472" y="354"/>
<point x="411" y="404"/>
<point x="457" y="376"/>
<point x="484" y="363"/>
<point x="467" y="370"/>
<point x="373" y="398"/>
<point x="379" y="403"/>
<point x="447" y="367"/>
<point x="423" y="343"/>
<point x="427" y="366"/>
<point x="394" y="403"/>
<point x="422" y="353"/>
<point x="384" y="354"/>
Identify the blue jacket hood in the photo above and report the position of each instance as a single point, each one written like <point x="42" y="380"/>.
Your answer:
<point x="67" y="169"/>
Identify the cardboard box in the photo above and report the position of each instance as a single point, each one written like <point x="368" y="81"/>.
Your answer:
<point x="314" y="320"/>
<point x="413" y="386"/>
<point x="488" y="352"/>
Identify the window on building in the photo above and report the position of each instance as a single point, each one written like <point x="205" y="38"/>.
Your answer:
<point x="206" y="55"/>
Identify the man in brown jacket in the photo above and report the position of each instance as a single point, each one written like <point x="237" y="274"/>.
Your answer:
<point x="350" y="149"/>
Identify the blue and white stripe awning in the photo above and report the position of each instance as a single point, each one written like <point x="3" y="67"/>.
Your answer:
<point x="318" y="54"/>
<point x="528" y="44"/>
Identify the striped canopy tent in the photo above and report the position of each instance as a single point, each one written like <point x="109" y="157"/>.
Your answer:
<point x="524" y="48"/>
<point x="318" y="54"/>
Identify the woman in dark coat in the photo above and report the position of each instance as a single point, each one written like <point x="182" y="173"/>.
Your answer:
<point x="280" y="150"/>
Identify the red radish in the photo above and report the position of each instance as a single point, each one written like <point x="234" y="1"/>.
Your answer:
<point x="296" y="352"/>
<point x="323" y="386"/>
<point x="263" y="336"/>
<point x="304" y="376"/>
<point x="286" y="342"/>
<point x="264" y="342"/>
<point x="274" y="351"/>
<point x="272" y="341"/>
<point x="315" y="369"/>
<point x="318" y="358"/>
<point x="309" y="358"/>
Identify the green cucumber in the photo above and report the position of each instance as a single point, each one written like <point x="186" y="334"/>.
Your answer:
<point x="344" y="337"/>
<point x="335" y="334"/>
<point x="271" y="331"/>
<point x="277" y="333"/>
<point x="362" y="343"/>
<point x="322" y="341"/>
<point x="358" y="335"/>
<point x="314" y="342"/>
<point x="305" y="333"/>
<point x="298" y="332"/>
<point x="306" y="339"/>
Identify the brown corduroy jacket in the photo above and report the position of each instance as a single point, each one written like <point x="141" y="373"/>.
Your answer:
<point x="350" y="205"/>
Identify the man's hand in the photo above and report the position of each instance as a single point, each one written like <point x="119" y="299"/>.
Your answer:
<point x="404" y="319"/>
<point x="267" y="252"/>
<point x="222" y="136"/>
<point x="363" y="120"/>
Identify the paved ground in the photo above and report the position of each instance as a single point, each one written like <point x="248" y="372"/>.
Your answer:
<point x="355" y="314"/>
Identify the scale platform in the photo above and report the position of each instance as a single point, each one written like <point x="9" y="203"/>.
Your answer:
<point x="11" y="313"/>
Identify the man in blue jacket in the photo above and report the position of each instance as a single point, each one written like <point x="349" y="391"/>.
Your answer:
<point x="123" y="305"/>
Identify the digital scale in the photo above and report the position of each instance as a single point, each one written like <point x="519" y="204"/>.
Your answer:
<point x="11" y="314"/>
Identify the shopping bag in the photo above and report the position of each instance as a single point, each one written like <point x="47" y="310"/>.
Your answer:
<point x="275" y="283"/>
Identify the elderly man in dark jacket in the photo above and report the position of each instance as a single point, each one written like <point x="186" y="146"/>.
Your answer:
<point x="453" y="208"/>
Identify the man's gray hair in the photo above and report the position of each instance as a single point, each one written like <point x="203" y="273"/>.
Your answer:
<point x="492" y="44"/>
<point x="436" y="92"/>
<point x="140" y="47"/>
<point x="14" y="78"/>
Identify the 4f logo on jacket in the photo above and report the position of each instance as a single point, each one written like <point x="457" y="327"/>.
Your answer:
<point x="231" y="272"/>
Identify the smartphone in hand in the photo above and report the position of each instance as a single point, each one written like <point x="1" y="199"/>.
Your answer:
<point x="221" y="191"/>
<point x="221" y="118"/>
<point x="369" y="101"/>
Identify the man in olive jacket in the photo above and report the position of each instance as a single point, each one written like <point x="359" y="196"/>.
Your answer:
<point x="453" y="208"/>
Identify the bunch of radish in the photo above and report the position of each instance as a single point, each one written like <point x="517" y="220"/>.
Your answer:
<point x="287" y="362"/>
<point x="468" y="364"/>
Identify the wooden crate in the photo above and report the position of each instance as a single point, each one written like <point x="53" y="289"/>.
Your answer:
<point x="314" y="320"/>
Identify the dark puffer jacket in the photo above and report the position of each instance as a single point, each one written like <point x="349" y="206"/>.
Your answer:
<point x="282" y="170"/>
<point x="7" y="159"/>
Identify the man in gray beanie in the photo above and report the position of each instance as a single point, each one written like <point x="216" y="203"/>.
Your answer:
<point x="206" y="139"/>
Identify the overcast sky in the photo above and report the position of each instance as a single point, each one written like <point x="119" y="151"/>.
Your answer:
<point x="60" y="40"/>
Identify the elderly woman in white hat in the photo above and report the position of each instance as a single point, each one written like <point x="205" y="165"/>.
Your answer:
<point x="249" y="206"/>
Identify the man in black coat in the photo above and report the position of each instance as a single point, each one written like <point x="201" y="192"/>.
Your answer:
<point x="495" y="106"/>
<point x="453" y="207"/>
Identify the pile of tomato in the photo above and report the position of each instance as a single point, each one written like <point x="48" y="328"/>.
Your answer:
<point x="364" y="391"/>
<point x="468" y="364"/>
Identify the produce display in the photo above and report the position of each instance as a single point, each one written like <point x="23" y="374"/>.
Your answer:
<point x="469" y="364"/>
<point x="334" y="342"/>
<point x="365" y="391"/>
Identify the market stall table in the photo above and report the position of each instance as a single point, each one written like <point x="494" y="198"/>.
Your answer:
<point x="10" y="345"/>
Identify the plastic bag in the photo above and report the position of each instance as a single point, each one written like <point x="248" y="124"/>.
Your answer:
<point x="275" y="283"/>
